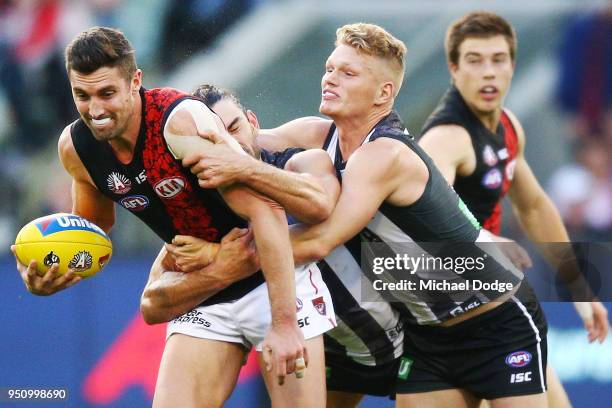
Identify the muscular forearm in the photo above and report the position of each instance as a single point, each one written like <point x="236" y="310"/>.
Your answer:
<point x="173" y="294"/>
<point x="543" y="225"/>
<point x="542" y="222"/>
<point x="272" y="241"/>
<point x="298" y="193"/>
<point x="309" y="243"/>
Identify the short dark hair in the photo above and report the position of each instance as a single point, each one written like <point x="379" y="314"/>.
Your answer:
<point x="479" y="24"/>
<point x="211" y="94"/>
<point x="99" y="47"/>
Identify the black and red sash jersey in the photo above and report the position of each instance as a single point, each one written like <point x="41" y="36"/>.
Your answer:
<point x="483" y="190"/>
<point x="156" y="188"/>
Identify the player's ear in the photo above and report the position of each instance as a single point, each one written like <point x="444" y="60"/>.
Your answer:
<point x="252" y="118"/>
<point x="136" y="81"/>
<point x="452" y="69"/>
<point x="385" y="93"/>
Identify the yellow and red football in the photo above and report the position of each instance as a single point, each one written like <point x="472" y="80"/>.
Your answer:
<point x="66" y="239"/>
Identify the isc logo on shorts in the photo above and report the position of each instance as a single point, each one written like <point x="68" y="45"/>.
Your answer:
<point x="303" y="322"/>
<point x="520" y="377"/>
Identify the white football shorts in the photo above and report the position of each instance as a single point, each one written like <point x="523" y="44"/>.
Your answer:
<point x="247" y="320"/>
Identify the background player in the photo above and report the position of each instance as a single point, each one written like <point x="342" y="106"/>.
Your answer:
<point x="479" y="147"/>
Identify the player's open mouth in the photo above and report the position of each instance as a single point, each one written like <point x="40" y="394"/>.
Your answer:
<point x="488" y="92"/>
<point x="100" y="122"/>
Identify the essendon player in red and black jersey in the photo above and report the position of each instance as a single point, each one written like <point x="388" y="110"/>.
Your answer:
<point x="494" y="153"/>
<point x="479" y="148"/>
<point x="116" y="152"/>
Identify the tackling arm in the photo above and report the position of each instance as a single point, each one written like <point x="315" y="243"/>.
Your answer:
<point x="367" y="182"/>
<point x="271" y="237"/>
<point x="307" y="132"/>
<point x="169" y="294"/>
<point x="308" y="190"/>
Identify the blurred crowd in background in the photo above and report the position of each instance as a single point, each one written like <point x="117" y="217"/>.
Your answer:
<point x="582" y="189"/>
<point x="36" y="102"/>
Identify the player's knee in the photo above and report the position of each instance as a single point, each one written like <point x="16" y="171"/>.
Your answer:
<point x="211" y="404"/>
<point x="337" y="399"/>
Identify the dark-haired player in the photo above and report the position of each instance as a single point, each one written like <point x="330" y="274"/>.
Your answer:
<point x="478" y="145"/>
<point x="242" y="323"/>
<point x="117" y="152"/>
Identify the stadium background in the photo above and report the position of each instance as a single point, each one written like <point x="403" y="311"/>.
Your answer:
<point x="90" y="339"/>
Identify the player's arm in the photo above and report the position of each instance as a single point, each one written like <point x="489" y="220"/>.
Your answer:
<point x="450" y="147"/>
<point x="315" y="169"/>
<point x="542" y="223"/>
<point x="87" y="200"/>
<point x="191" y="253"/>
<point x="268" y="221"/>
<point x="536" y="212"/>
<point x="269" y="224"/>
<point x="169" y="294"/>
<point x="375" y="173"/>
<point x="307" y="190"/>
<point x="307" y="132"/>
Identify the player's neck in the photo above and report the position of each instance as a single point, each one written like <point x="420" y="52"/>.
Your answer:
<point x="490" y="120"/>
<point x="352" y="131"/>
<point x="124" y="146"/>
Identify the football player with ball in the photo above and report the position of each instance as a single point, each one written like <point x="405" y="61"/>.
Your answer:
<point x="126" y="148"/>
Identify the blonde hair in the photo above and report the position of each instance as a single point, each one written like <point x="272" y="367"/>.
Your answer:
<point x="374" y="40"/>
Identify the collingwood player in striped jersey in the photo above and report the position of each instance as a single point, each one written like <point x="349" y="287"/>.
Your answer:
<point x="391" y="187"/>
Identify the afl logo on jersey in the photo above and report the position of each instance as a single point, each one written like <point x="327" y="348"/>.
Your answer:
<point x="118" y="183"/>
<point x="493" y="179"/>
<point x="489" y="156"/>
<point x="135" y="202"/>
<point x="169" y="187"/>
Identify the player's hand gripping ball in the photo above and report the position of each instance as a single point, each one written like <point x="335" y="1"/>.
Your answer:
<point x="65" y="239"/>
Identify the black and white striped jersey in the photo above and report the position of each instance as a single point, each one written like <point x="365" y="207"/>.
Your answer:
<point x="441" y="225"/>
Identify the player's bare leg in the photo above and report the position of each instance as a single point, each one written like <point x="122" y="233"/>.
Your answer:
<point x="306" y="392"/>
<point x="339" y="399"/>
<point x="523" y="401"/>
<point x="555" y="394"/>
<point x="557" y="397"/>
<point x="455" y="398"/>
<point x="197" y="372"/>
